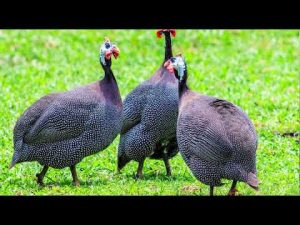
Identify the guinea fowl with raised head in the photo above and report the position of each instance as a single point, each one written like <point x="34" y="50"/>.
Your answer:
<point x="216" y="139"/>
<point x="60" y="129"/>
<point x="149" y="117"/>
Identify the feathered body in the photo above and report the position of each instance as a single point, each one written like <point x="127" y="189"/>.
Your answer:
<point x="215" y="137"/>
<point x="149" y="115"/>
<point x="149" y="118"/>
<point x="61" y="129"/>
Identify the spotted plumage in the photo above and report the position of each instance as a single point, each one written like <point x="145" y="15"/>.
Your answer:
<point x="60" y="129"/>
<point x="216" y="138"/>
<point x="149" y="118"/>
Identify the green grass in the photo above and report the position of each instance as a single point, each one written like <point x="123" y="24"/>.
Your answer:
<point x="256" y="69"/>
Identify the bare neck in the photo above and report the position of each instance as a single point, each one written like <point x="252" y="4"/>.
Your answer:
<point x="109" y="87"/>
<point x="168" y="46"/>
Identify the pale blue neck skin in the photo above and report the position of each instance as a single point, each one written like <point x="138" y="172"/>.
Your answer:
<point x="179" y="65"/>
<point x="103" y="50"/>
<point x="102" y="58"/>
<point x="181" y="73"/>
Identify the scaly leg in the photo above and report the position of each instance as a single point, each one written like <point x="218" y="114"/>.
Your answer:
<point x="233" y="190"/>
<point x="40" y="176"/>
<point x="74" y="175"/>
<point x="167" y="164"/>
<point x="139" y="172"/>
<point x="211" y="191"/>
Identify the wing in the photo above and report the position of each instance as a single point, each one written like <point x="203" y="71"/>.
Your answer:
<point x="133" y="107"/>
<point x="31" y="115"/>
<point x="237" y="124"/>
<point x="205" y="137"/>
<point x="65" y="118"/>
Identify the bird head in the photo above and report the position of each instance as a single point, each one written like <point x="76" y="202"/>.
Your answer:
<point x="108" y="49"/>
<point x="177" y="66"/>
<point x="160" y="32"/>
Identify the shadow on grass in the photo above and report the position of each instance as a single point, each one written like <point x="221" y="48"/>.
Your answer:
<point x="96" y="179"/>
<point x="151" y="176"/>
<point x="51" y="183"/>
<point x="83" y="183"/>
<point x="104" y="181"/>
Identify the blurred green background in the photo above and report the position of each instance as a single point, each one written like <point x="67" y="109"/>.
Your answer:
<point x="256" y="69"/>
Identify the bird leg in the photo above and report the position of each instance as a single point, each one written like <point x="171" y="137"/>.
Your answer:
<point x="40" y="176"/>
<point x="74" y="175"/>
<point x="233" y="190"/>
<point x="211" y="191"/>
<point x="139" y="172"/>
<point x="167" y="164"/>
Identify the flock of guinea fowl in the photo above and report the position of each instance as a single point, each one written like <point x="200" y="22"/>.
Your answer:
<point x="159" y="118"/>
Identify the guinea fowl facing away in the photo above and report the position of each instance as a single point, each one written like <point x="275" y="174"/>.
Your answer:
<point x="150" y="116"/>
<point x="60" y="129"/>
<point x="216" y="139"/>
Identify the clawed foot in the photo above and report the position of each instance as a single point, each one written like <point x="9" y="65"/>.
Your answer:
<point x="76" y="183"/>
<point x="233" y="192"/>
<point x="40" y="180"/>
<point x="137" y="176"/>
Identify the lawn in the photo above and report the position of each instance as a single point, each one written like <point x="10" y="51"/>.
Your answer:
<point x="257" y="70"/>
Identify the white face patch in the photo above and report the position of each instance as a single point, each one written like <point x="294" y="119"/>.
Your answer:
<point x="103" y="49"/>
<point x="179" y="65"/>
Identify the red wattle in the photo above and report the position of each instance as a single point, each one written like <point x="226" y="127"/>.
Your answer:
<point x="159" y="33"/>
<point x="170" y="69"/>
<point x="108" y="54"/>
<point x="173" y="32"/>
<point x="115" y="52"/>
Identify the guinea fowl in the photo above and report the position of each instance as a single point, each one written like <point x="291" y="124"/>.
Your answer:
<point x="216" y="139"/>
<point x="60" y="129"/>
<point x="149" y="117"/>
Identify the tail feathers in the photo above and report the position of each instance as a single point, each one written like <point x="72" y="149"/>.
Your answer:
<point x="253" y="181"/>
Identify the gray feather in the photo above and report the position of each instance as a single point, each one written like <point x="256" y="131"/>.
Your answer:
<point x="217" y="140"/>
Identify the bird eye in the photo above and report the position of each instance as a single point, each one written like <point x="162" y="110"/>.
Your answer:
<point x="172" y="59"/>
